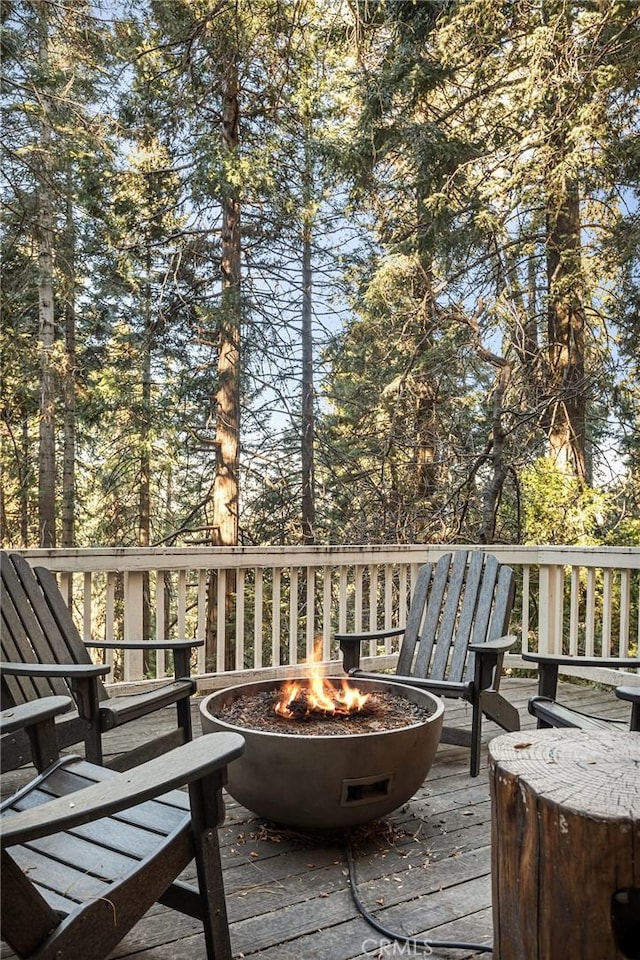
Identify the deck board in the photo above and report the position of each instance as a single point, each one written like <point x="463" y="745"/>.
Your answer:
<point x="424" y="870"/>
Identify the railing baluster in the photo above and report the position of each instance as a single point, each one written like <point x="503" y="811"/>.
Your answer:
<point x="373" y="606"/>
<point x="257" y="622"/>
<point x="133" y="622"/>
<point x="182" y="604"/>
<point x="276" y="592"/>
<point x="526" y="596"/>
<point x="161" y="627"/>
<point x="590" y="614"/>
<point x="240" y="608"/>
<point x="343" y="599"/>
<point x="388" y="604"/>
<point x="574" y="611"/>
<point x="310" y="632"/>
<point x="221" y="621"/>
<point x="87" y="625"/>
<point x="109" y="616"/>
<point x="551" y="605"/>
<point x="624" y="629"/>
<point x="293" y="616"/>
<point x="201" y="631"/>
<point x="326" y="612"/>
<point x="607" y="603"/>
<point x="403" y="599"/>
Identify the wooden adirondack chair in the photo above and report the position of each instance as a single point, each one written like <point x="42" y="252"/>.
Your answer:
<point x="43" y="655"/>
<point x="454" y="640"/>
<point x="551" y="713"/>
<point x="87" y="851"/>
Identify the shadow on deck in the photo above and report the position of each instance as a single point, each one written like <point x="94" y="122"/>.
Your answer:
<point x="423" y="871"/>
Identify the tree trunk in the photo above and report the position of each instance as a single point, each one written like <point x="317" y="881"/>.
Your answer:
<point x="144" y="497"/>
<point x="227" y="397"/>
<point x="144" y="509"/>
<point x="566" y="387"/>
<point x="46" y="320"/>
<point x="493" y="489"/>
<point x="308" y="421"/>
<point x="566" y="322"/>
<point x="69" y="436"/>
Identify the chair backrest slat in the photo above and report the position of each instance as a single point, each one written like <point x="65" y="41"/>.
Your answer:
<point x="414" y="619"/>
<point x="494" y="606"/>
<point x="23" y="639"/>
<point x="448" y="635"/>
<point x="431" y="623"/>
<point x="64" y="645"/>
<point x="58" y="610"/>
<point x="466" y="597"/>
<point x="16" y="690"/>
<point x="503" y="603"/>
<point x="41" y="626"/>
<point x="460" y="653"/>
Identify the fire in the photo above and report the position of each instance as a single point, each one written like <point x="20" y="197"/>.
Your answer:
<point x="317" y="694"/>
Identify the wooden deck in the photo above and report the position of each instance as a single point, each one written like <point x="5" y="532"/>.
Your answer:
<point x="425" y="870"/>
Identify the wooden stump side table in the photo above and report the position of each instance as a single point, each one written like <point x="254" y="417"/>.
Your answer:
<point x="565" y="842"/>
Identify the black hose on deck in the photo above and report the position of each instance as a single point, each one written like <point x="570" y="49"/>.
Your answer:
<point x="401" y="937"/>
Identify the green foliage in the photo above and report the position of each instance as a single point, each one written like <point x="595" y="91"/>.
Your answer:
<point x="559" y="509"/>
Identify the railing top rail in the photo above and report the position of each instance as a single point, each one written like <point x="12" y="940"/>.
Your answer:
<point x="184" y="558"/>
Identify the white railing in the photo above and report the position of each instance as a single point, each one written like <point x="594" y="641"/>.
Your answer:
<point x="266" y="607"/>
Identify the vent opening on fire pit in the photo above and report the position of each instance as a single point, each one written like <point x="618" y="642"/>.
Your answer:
<point x="365" y="789"/>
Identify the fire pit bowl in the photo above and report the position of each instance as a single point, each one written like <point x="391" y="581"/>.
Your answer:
<point x="329" y="781"/>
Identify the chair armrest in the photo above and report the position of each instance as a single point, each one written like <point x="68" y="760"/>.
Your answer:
<point x="632" y="694"/>
<point x="181" y="766"/>
<point x="72" y="671"/>
<point x="26" y="715"/>
<point x="144" y="644"/>
<point x="83" y="678"/>
<point x="562" y="660"/>
<point x="499" y="645"/>
<point x="369" y="635"/>
<point x="350" y="644"/>
<point x="488" y="663"/>
<point x="548" y="664"/>
<point x="181" y="651"/>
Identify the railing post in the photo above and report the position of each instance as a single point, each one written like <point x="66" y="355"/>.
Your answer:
<point x="133" y="620"/>
<point x="550" y="609"/>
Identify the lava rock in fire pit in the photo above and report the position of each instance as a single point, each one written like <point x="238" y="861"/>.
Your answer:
<point x="381" y="711"/>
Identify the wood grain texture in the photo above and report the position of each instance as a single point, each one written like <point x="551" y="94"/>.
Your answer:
<point x="565" y="839"/>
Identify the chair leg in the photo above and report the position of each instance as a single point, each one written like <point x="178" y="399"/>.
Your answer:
<point x="86" y="696"/>
<point x="207" y="813"/>
<point x="183" y="708"/>
<point x="476" y="739"/>
<point x="93" y="744"/>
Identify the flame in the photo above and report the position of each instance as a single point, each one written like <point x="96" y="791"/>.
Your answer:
<point x="317" y="694"/>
